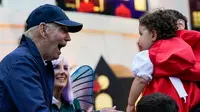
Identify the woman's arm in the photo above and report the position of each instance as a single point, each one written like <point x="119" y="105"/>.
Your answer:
<point x="137" y="87"/>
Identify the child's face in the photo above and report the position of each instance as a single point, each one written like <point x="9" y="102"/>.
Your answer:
<point x="146" y="38"/>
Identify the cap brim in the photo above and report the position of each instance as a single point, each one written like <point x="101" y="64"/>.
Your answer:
<point x="72" y="25"/>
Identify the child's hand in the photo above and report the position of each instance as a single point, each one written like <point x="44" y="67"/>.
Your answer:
<point x="113" y="109"/>
<point x="139" y="46"/>
<point x="130" y="108"/>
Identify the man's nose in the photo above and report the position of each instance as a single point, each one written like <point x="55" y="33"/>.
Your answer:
<point x="67" y="38"/>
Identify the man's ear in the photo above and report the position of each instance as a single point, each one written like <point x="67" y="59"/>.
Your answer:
<point x="154" y="35"/>
<point x="181" y="24"/>
<point x="42" y="30"/>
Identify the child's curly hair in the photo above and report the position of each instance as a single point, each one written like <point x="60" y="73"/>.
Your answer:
<point x="162" y="21"/>
<point x="178" y="16"/>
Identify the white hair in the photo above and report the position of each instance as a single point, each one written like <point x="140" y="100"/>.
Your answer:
<point x="30" y="32"/>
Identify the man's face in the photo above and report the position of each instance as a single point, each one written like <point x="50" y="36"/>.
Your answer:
<point x="56" y="37"/>
<point x="181" y="24"/>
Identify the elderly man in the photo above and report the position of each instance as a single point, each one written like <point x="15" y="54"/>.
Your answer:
<point x="26" y="84"/>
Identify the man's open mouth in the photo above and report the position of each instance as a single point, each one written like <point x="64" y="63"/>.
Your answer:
<point x="61" y="45"/>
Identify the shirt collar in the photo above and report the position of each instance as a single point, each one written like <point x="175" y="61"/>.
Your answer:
<point x="54" y="100"/>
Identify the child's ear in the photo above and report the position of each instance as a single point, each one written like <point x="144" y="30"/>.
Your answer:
<point x="154" y="35"/>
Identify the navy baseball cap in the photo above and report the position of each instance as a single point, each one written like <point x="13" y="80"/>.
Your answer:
<point x="51" y="14"/>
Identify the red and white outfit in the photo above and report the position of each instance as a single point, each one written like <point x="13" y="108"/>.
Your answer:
<point x="171" y="66"/>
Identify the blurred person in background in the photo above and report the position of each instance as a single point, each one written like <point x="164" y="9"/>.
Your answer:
<point x="63" y="98"/>
<point x="157" y="102"/>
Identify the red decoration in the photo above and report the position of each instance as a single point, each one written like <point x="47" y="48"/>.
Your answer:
<point x="86" y="7"/>
<point x="123" y="11"/>
<point x="97" y="87"/>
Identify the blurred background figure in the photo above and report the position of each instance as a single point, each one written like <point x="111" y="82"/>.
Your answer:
<point x="157" y="102"/>
<point x="74" y="93"/>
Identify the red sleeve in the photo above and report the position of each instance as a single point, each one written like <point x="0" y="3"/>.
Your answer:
<point x="171" y="57"/>
<point x="193" y="39"/>
<point x="189" y="36"/>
